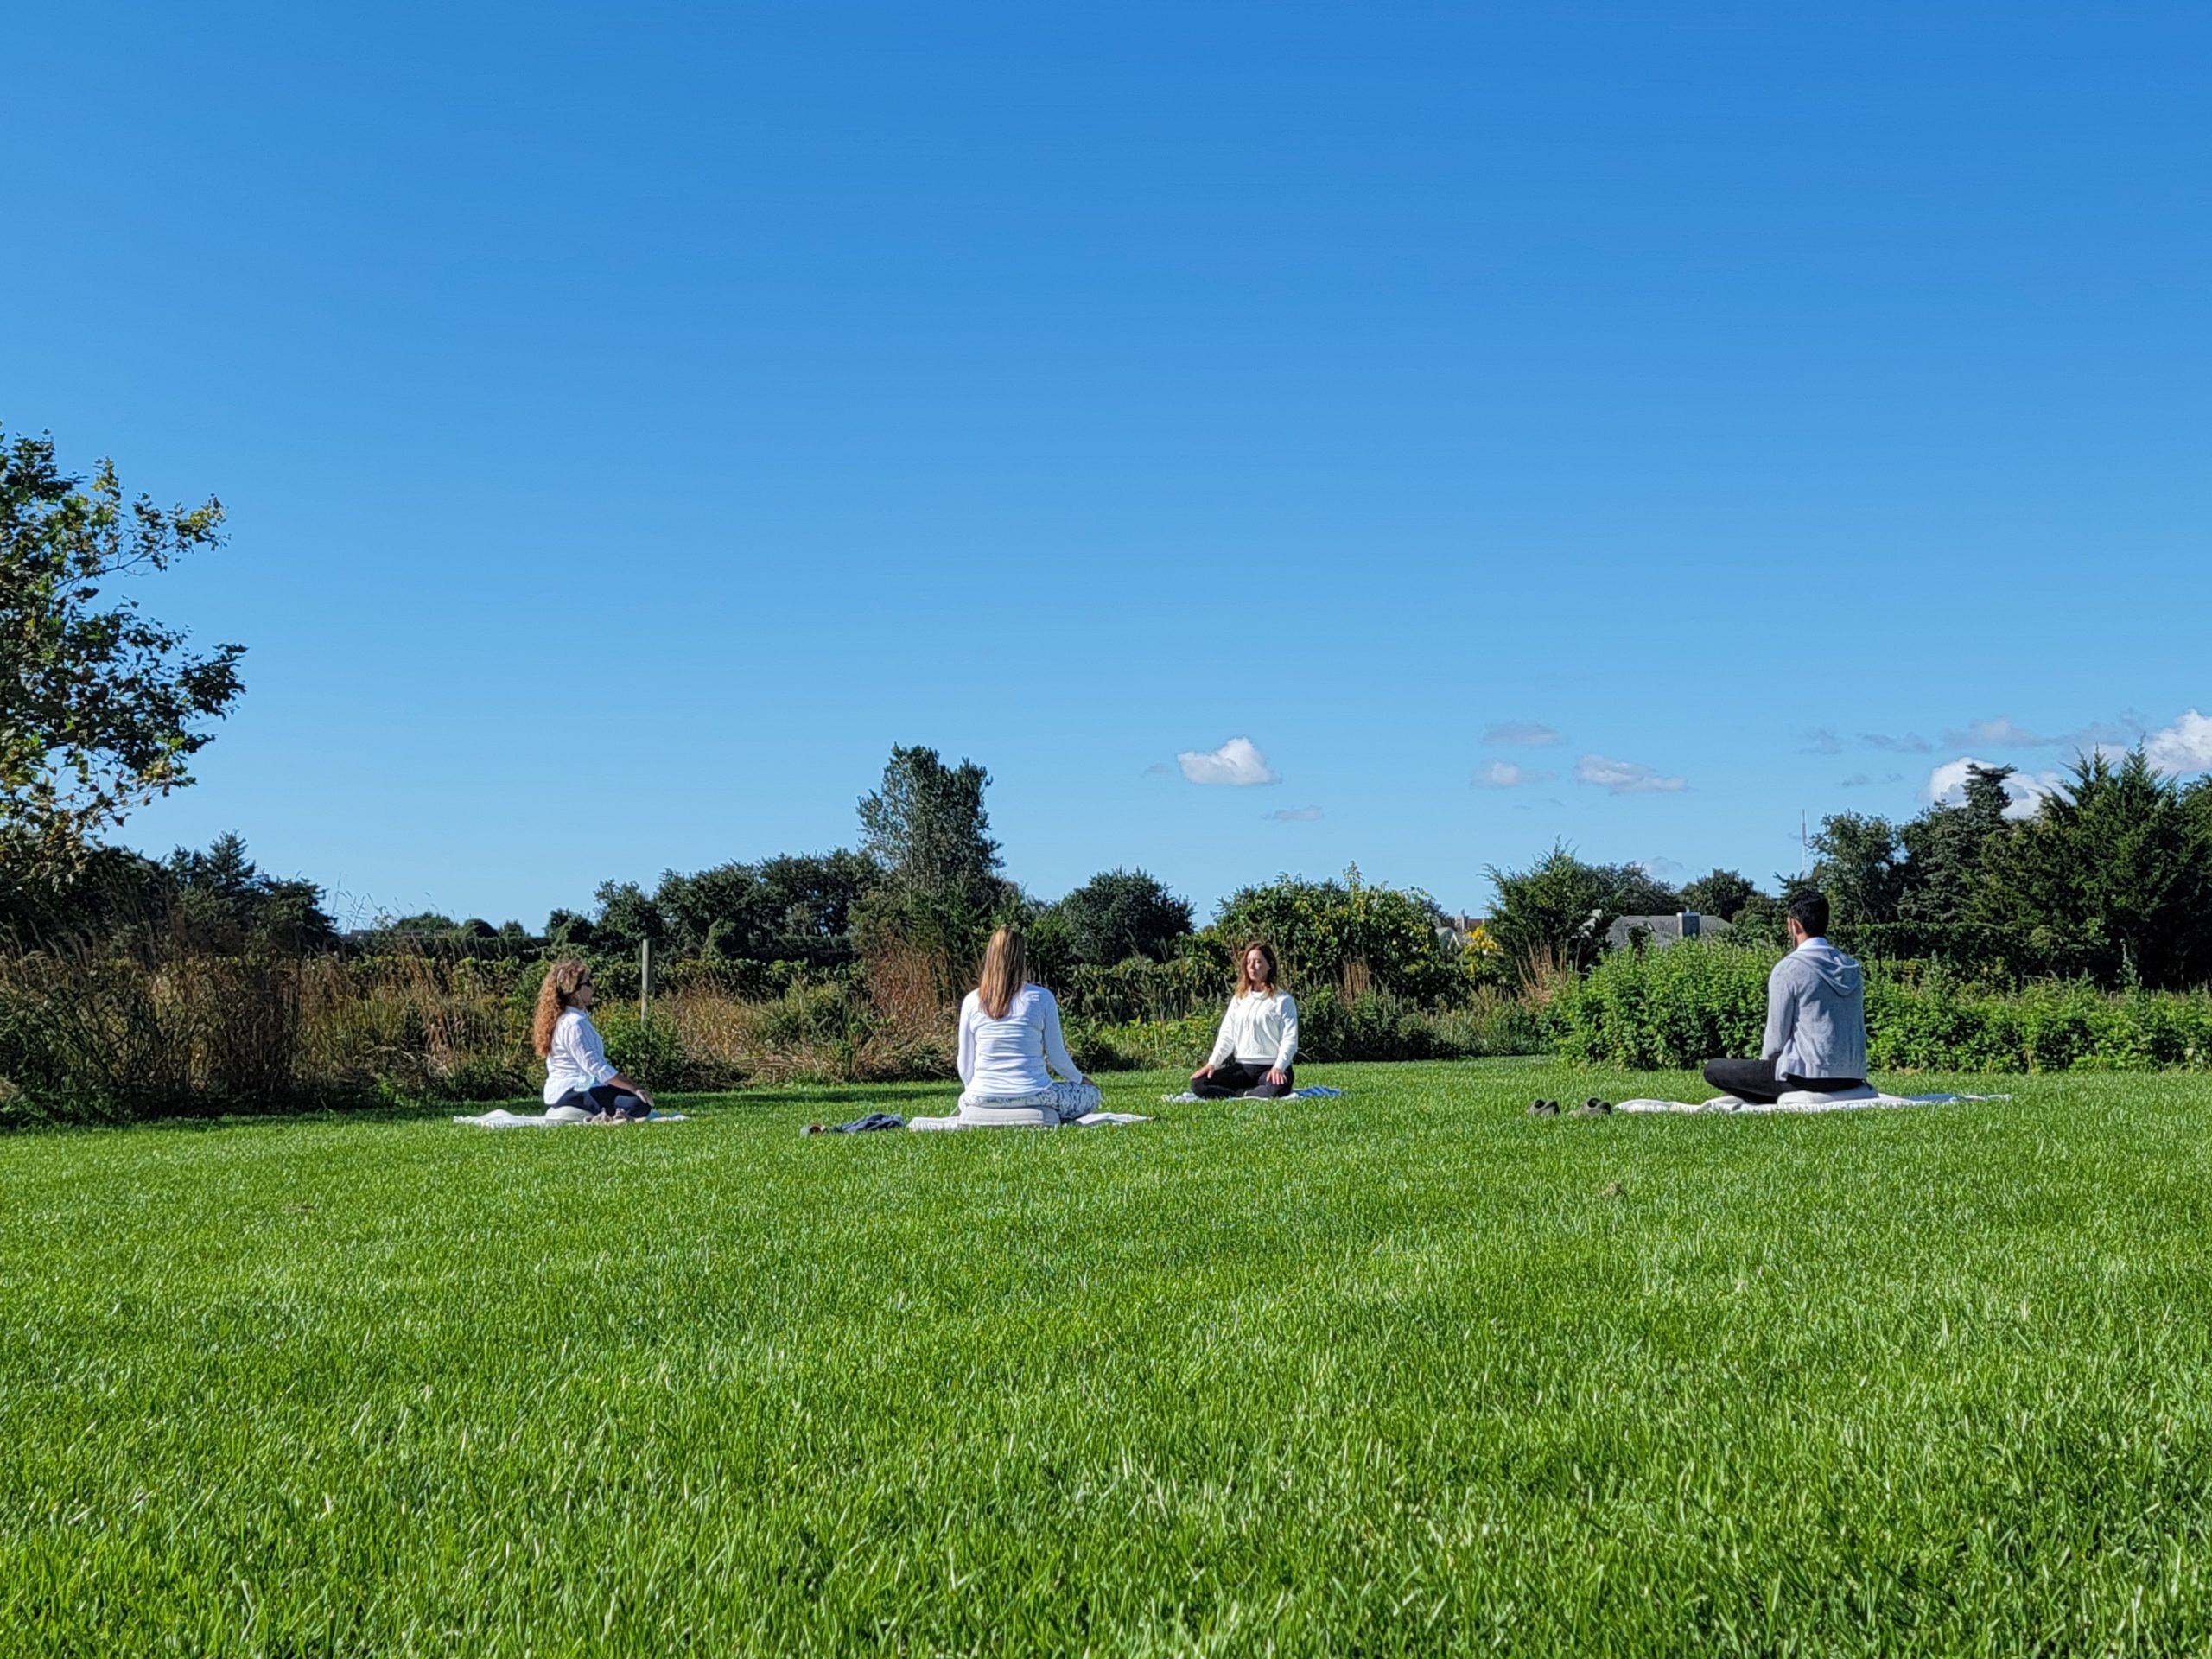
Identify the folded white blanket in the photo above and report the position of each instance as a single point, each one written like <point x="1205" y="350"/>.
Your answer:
<point x="1318" y="1091"/>
<point x="1088" y="1121"/>
<point x="1801" y="1100"/>
<point x="507" y="1120"/>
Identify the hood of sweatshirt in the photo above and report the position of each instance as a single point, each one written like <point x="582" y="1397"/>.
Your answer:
<point x="1841" y="974"/>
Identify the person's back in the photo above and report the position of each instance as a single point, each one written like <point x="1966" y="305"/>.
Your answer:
<point x="1006" y="1060"/>
<point x="1816" y="1014"/>
<point x="1009" y="1052"/>
<point x="1815" y="1019"/>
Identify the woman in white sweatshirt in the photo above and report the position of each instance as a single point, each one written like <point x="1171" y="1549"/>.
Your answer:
<point x="1259" y="1035"/>
<point x="1010" y="1034"/>
<point x="580" y="1085"/>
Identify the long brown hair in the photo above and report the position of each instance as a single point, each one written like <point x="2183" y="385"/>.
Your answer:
<point x="1243" y="968"/>
<point x="561" y="980"/>
<point x="1006" y="969"/>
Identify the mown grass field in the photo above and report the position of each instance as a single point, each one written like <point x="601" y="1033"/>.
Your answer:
<point x="1406" y="1372"/>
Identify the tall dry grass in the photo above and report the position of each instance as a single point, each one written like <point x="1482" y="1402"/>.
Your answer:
<point x="92" y="1037"/>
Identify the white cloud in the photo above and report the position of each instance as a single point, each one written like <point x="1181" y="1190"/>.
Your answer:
<point x="1296" y="814"/>
<point x="2184" y="746"/>
<point x="1519" y="734"/>
<point x="1237" y="763"/>
<point x="1857" y="780"/>
<point x="1661" y="870"/>
<point x="1820" y="741"/>
<point x="1503" y="774"/>
<point x="1947" y="787"/>
<point x="1998" y="735"/>
<point x="1624" y="777"/>
<point x="1910" y="743"/>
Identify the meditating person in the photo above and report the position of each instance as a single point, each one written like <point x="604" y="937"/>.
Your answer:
<point x="1259" y="1035"/>
<point x="580" y="1085"/>
<point x="1009" y="1035"/>
<point x="1815" y="1019"/>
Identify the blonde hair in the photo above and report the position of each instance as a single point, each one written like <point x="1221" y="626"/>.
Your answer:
<point x="1244" y="968"/>
<point x="1006" y="969"/>
<point x="561" y="982"/>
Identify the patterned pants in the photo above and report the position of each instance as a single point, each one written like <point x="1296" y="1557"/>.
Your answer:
<point x="1049" y="1107"/>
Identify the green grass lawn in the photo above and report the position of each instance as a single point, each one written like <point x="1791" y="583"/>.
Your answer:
<point x="1405" y="1370"/>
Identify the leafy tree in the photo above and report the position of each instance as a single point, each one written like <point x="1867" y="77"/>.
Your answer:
<point x="100" y="707"/>
<point x="941" y="890"/>
<point x="1123" y="913"/>
<point x="568" y="927"/>
<point x="1052" y="958"/>
<point x="719" y="908"/>
<point x="1721" y="893"/>
<point x="810" y="900"/>
<point x="791" y="907"/>
<point x="1326" y="932"/>
<point x="1761" y="920"/>
<point x="628" y="917"/>
<point x="2110" y="879"/>
<point x="110" y="897"/>
<point x="1554" y="914"/>
<point x="927" y="828"/>
<point x="1636" y="891"/>
<point x="1861" y="865"/>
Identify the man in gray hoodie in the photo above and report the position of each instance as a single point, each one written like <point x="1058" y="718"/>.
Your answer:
<point x="1815" y="1019"/>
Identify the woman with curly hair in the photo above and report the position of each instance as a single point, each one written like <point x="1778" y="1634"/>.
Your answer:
<point x="1259" y="1035"/>
<point x="580" y="1085"/>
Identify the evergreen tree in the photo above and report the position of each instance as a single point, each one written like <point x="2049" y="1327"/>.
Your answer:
<point x="2109" y="879"/>
<point x="1943" y="847"/>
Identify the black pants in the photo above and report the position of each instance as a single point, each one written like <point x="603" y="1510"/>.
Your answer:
<point x="1755" y="1081"/>
<point x="605" y="1097"/>
<point x="1243" y="1077"/>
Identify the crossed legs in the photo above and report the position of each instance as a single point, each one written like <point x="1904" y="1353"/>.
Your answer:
<point x="1234" y="1078"/>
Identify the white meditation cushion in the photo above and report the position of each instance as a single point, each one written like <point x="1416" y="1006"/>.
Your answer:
<point x="1815" y="1097"/>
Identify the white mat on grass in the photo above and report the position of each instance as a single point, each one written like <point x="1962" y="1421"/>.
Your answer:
<point x="1088" y="1121"/>
<point x="505" y="1120"/>
<point x="1801" y="1100"/>
<point x="1318" y="1091"/>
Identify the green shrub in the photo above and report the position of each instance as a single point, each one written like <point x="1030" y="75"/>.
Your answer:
<point x="1376" y="1026"/>
<point x="1667" y="1008"/>
<point x="1698" y="1000"/>
<point x="1140" y="989"/>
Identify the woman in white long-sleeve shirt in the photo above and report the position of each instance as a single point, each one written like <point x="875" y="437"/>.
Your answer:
<point x="579" y="1083"/>
<point x="1009" y="1035"/>
<point x="1259" y="1035"/>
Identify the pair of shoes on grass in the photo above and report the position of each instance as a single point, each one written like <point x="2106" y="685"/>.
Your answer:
<point x="1592" y="1106"/>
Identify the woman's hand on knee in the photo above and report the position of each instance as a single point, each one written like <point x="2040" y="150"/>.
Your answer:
<point x="1277" y="1077"/>
<point x="1203" y="1071"/>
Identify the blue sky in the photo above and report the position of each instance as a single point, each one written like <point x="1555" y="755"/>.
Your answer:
<point x="635" y="420"/>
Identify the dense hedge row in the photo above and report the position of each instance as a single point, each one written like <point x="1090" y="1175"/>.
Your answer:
<point x="1687" y="1003"/>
